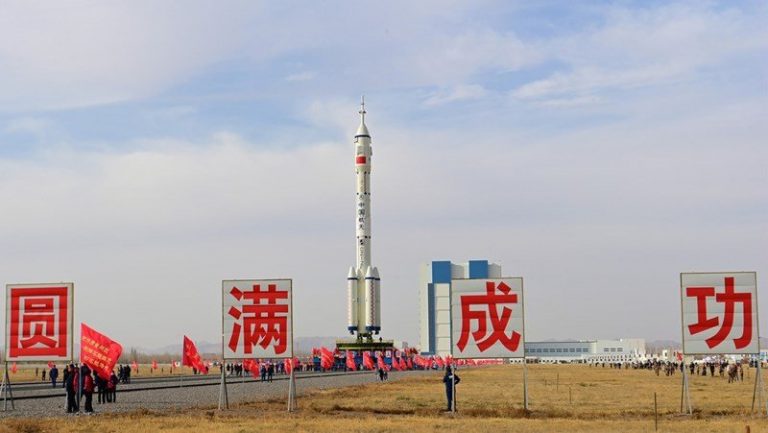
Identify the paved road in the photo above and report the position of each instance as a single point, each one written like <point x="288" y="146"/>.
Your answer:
<point x="200" y="396"/>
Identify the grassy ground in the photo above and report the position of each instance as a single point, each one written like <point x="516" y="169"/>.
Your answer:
<point x="563" y="398"/>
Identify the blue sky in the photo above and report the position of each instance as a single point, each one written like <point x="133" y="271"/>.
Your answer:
<point x="149" y="150"/>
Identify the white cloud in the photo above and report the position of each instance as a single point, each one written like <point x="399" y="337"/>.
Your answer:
<point x="456" y="93"/>
<point x="83" y="53"/>
<point x="646" y="47"/>
<point x="301" y="76"/>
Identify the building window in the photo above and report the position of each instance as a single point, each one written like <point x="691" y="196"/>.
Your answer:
<point x="605" y="349"/>
<point x="572" y="349"/>
<point x="620" y="349"/>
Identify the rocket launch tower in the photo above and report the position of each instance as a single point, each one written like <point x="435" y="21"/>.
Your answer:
<point x="363" y="282"/>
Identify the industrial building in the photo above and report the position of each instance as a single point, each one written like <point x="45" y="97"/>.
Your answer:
<point x="434" y="300"/>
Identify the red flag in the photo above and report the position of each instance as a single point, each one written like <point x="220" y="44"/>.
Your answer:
<point x="410" y="364"/>
<point x="326" y="358"/>
<point x="351" y="361"/>
<point x="368" y="361"/>
<point x="50" y="364"/>
<point x="403" y="365"/>
<point x="154" y="365"/>
<point x="134" y="366"/>
<point x="190" y="357"/>
<point x="98" y="351"/>
<point x="253" y="366"/>
<point x="439" y="361"/>
<point x="14" y="368"/>
<point x="381" y="364"/>
<point x="395" y="364"/>
<point x="289" y="364"/>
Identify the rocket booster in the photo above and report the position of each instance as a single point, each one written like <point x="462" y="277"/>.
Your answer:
<point x="364" y="309"/>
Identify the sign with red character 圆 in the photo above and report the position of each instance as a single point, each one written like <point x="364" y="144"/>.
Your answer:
<point x="257" y="318"/>
<point x="39" y="322"/>
<point x="719" y="313"/>
<point x="487" y="318"/>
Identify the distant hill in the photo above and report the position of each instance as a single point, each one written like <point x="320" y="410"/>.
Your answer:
<point x="301" y="346"/>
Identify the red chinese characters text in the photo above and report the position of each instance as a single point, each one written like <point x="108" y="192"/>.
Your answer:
<point x="263" y="319"/>
<point x="729" y="298"/>
<point x="490" y="301"/>
<point x="38" y="322"/>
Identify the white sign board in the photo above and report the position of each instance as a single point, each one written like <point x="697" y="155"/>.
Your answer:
<point x="719" y="312"/>
<point x="257" y="319"/>
<point x="487" y="318"/>
<point x="38" y="322"/>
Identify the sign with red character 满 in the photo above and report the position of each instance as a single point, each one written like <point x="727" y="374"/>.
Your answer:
<point x="38" y="324"/>
<point x="487" y="318"/>
<point x="719" y="313"/>
<point x="257" y="319"/>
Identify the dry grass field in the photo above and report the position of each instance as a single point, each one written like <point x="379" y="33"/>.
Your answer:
<point x="563" y="398"/>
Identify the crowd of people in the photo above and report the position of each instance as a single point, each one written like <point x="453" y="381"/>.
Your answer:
<point x="733" y="371"/>
<point x="80" y="383"/>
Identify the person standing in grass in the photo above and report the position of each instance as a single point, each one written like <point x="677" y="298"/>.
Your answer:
<point x="450" y="379"/>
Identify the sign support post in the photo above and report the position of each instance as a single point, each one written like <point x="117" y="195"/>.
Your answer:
<point x="6" y="390"/>
<point x="223" y="396"/>
<point x="685" y="394"/>
<point x="292" y="388"/>
<point x="525" y="384"/>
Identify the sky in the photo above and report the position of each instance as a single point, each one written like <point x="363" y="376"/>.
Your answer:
<point x="149" y="150"/>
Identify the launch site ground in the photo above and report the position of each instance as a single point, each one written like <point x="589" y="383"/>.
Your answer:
<point x="563" y="398"/>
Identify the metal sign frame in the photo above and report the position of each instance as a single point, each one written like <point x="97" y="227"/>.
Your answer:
<point x="70" y="287"/>
<point x="223" y="394"/>
<point x="523" y="357"/>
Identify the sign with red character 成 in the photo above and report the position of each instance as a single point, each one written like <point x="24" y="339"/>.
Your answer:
<point x="487" y="318"/>
<point x="257" y="318"/>
<point x="38" y="324"/>
<point x="719" y="313"/>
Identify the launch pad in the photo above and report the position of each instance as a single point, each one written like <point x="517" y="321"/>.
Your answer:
<point x="365" y="344"/>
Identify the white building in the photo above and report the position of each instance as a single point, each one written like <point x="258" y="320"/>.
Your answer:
<point x="622" y="350"/>
<point x="434" y="300"/>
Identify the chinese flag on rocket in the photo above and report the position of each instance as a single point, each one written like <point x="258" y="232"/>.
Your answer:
<point x="98" y="352"/>
<point x="190" y="357"/>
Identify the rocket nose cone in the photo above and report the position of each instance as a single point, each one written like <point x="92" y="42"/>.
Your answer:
<point x="362" y="131"/>
<point x="368" y="272"/>
<point x="352" y="273"/>
<point x="375" y="273"/>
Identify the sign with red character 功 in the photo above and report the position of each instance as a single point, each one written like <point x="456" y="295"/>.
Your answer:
<point x="39" y="322"/>
<point x="719" y="313"/>
<point x="487" y="318"/>
<point x="257" y="318"/>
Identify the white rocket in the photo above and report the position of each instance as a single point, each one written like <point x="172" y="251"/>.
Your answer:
<point x="363" y="283"/>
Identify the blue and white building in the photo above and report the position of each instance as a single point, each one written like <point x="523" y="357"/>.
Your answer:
<point x="434" y="300"/>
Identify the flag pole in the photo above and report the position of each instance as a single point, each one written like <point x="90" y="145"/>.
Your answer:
<point x="453" y="388"/>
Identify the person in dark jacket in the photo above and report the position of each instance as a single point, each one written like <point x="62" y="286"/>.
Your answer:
<point x="450" y="379"/>
<point x="54" y="375"/>
<point x="112" y="388"/>
<point x="71" y="385"/>
<point x="88" y="387"/>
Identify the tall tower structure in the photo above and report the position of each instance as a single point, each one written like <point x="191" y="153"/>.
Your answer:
<point x="363" y="282"/>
